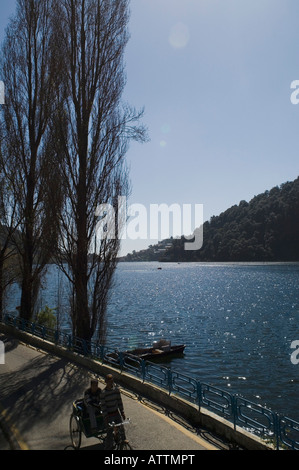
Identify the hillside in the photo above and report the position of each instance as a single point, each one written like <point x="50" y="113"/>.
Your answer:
<point x="263" y="229"/>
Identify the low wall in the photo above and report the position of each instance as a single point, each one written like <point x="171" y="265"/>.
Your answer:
<point x="200" y="418"/>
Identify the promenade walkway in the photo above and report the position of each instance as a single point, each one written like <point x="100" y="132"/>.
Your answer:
<point x="36" y="394"/>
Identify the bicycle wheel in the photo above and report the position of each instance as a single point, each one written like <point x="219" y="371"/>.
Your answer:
<point x="75" y="432"/>
<point x="125" y="445"/>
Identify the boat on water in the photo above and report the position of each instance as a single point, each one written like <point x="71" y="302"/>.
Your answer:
<point x="160" y="349"/>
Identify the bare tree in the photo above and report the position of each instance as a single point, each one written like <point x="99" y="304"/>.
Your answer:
<point x="30" y="70"/>
<point x="95" y="130"/>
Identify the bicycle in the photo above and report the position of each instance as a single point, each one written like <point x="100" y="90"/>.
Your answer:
<point x="80" y="424"/>
<point x="119" y="443"/>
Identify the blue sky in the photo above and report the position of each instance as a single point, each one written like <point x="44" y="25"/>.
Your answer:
<point x="214" y="77"/>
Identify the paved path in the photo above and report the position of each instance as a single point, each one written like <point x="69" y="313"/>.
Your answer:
<point x="36" y="394"/>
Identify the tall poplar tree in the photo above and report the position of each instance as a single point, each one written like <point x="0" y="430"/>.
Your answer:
<point x="95" y="131"/>
<point x="30" y="71"/>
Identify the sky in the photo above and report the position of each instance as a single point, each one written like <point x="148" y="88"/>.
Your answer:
<point x="214" y="78"/>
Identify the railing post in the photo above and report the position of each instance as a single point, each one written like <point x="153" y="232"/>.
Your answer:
<point x="56" y="337"/>
<point x="169" y="380"/>
<point x="121" y="360"/>
<point x="234" y="410"/>
<point x="85" y="348"/>
<point x="277" y="429"/>
<point x="143" y="369"/>
<point x="102" y="352"/>
<point x="102" y="355"/>
<point x="198" y="386"/>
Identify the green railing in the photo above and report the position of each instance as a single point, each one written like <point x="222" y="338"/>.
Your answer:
<point x="281" y="431"/>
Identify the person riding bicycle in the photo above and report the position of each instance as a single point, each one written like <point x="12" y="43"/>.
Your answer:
<point x="113" y="410"/>
<point x="92" y="401"/>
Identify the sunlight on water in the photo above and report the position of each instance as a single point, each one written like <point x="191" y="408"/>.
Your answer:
<point x="238" y="322"/>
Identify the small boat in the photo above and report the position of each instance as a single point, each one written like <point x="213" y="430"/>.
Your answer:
<point x="160" y="349"/>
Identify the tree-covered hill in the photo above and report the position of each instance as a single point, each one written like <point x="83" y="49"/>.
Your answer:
<point x="264" y="229"/>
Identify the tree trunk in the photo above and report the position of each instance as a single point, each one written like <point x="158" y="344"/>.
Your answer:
<point x="81" y="281"/>
<point x="1" y="286"/>
<point x="26" y="297"/>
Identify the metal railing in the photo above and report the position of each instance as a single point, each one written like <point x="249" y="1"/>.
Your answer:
<point x="279" y="430"/>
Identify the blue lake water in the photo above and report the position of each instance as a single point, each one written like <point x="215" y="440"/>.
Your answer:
<point x="237" y="320"/>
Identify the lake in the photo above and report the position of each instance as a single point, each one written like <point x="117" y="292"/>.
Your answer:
<point x="238" y="321"/>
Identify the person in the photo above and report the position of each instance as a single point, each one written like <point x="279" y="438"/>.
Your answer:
<point x="92" y="401"/>
<point x="113" y="410"/>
